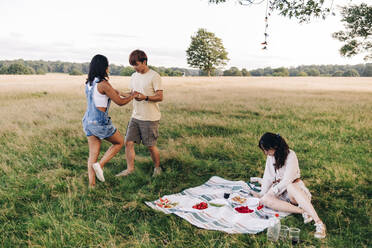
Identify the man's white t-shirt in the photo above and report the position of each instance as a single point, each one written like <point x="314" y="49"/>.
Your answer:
<point x="147" y="84"/>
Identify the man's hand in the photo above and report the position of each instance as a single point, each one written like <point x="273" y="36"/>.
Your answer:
<point x="140" y="97"/>
<point x="134" y="94"/>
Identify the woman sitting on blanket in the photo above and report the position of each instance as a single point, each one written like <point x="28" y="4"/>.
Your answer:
<point x="282" y="189"/>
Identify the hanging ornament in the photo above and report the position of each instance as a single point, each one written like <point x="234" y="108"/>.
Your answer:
<point x="269" y="9"/>
<point x="266" y="23"/>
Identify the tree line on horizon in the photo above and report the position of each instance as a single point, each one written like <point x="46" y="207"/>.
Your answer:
<point x="42" y="67"/>
<point x="359" y="70"/>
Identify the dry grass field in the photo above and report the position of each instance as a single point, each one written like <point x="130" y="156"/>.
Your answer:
<point x="209" y="126"/>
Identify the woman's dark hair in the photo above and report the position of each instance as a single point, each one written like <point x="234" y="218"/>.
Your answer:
<point x="275" y="141"/>
<point x="98" y="68"/>
<point x="137" y="55"/>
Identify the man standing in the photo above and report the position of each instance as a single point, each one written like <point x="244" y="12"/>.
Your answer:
<point x="144" y="123"/>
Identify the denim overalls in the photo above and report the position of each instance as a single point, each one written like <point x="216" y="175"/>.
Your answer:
<point x="96" y="122"/>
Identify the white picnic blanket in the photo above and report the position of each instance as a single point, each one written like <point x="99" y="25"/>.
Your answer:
<point x="222" y="218"/>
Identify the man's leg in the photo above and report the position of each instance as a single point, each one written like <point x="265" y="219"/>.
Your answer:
<point x="130" y="155"/>
<point x="155" y="156"/>
<point x="132" y="136"/>
<point x="150" y="135"/>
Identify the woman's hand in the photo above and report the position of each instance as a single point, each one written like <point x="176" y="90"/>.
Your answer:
<point x="134" y="94"/>
<point x="105" y="88"/>
<point x="255" y="194"/>
<point x="140" y="97"/>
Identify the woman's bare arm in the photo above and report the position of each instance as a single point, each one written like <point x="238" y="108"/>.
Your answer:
<point x="105" y="88"/>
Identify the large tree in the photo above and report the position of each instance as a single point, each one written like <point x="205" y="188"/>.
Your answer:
<point x="303" y="10"/>
<point x="358" y="31"/>
<point x="206" y="51"/>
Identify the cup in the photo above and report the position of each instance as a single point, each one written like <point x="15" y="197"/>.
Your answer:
<point x="294" y="235"/>
<point x="284" y="230"/>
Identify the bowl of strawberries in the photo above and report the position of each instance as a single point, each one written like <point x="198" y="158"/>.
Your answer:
<point x="200" y="206"/>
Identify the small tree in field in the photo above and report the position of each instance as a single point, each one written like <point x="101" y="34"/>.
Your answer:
<point x="206" y="51"/>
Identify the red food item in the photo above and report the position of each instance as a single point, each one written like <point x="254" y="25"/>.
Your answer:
<point x="276" y="215"/>
<point x="201" y="206"/>
<point x="244" y="210"/>
<point x="260" y="207"/>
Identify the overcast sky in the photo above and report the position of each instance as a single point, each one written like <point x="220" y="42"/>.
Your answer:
<point x="76" y="30"/>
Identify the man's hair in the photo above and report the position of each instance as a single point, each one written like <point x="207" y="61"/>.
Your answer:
<point x="137" y="55"/>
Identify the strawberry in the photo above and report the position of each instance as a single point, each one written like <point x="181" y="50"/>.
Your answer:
<point x="244" y="210"/>
<point x="201" y="206"/>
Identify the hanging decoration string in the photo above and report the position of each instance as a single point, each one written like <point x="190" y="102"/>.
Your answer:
<point x="266" y="26"/>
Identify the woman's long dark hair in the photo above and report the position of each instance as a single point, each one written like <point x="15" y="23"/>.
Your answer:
<point x="275" y="141"/>
<point x="98" y="68"/>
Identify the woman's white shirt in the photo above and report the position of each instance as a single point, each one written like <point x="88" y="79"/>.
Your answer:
<point x="286" y="174"/>
<point x="100" y="100"/>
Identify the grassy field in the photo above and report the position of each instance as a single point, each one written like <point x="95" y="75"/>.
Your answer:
<point x="210" y="126"/>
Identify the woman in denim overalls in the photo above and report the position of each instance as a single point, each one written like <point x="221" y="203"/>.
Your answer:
<point x="96" y="122"/>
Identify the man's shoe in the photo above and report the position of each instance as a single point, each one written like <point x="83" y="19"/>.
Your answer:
<point x="320" y="230"/>
<point x="157" y="171"/>
<point x="99" y="172"/>
<point x="124" y="173"/>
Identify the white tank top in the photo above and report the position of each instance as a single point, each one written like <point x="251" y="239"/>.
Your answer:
<point x="100" y="100"/>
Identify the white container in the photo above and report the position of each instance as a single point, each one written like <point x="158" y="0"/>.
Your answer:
<point x="252" y="202"/>
<point x="273" y="230"/>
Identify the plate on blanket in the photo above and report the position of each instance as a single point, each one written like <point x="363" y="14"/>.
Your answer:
<point x="218" y="202"/>
<point x="237" y="199"/>
<point x="164" y="202"/>
<point x="187" y="203"/>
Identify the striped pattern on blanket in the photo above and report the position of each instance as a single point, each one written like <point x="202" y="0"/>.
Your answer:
<point x="224" y="218"/>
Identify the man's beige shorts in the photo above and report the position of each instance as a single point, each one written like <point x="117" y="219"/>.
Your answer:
<point x="145" y="131"/>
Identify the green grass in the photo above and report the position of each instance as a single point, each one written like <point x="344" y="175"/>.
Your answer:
<point x="45" y="201"/>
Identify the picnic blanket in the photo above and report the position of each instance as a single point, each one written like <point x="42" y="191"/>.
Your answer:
<point x="223" y="216"/>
